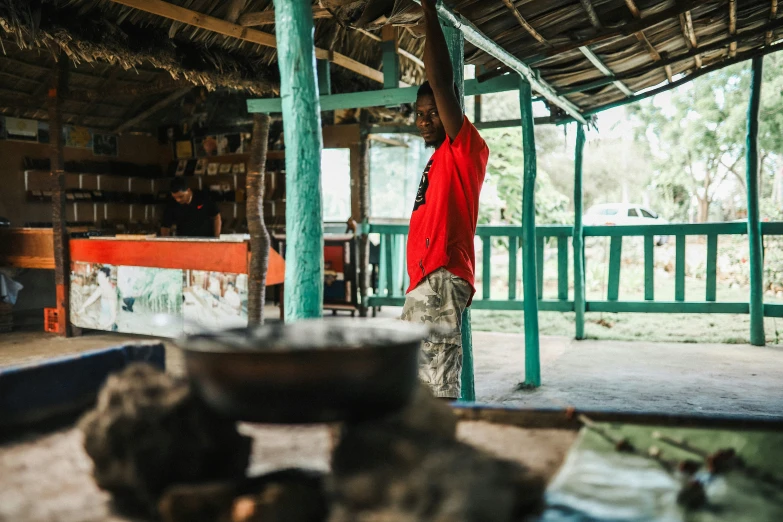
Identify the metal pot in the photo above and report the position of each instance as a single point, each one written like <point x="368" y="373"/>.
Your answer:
<point x="306" y="372"/>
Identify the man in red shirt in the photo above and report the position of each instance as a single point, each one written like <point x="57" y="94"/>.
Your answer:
<point x="441" y="258"/>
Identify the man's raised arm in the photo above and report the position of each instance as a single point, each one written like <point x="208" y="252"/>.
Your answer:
<point x="440" y="74"/>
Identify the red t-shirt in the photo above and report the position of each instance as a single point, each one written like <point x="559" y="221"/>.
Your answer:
<point x="445" y="213"/>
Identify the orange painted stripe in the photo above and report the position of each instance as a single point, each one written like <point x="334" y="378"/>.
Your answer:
<point x="185" y="255"/>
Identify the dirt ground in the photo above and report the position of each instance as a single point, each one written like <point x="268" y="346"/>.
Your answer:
<point x="718" y="379"/>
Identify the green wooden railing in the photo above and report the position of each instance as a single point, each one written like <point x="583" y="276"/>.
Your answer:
<point x="393" y="280"/>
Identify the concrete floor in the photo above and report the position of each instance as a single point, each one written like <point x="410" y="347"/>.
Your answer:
<point x="611" y="375"/>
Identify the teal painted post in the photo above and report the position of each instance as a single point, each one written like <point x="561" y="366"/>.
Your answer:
<point x="649" y="268"/>
<point x="562" y="268"/>
<point x="391" y="61"/>
<point x="757" y="337"/>
<point x="540" y="245"/>
<point x="615" y="256"/>
<point x="712" y="267"/>
<point x="529" y="276"/>
<point x="389" y="258"/>
<point x="486" y="266"/>
<point x="679" y="269"/>
<point x="512" y="268"/>
<point x="304" y="274"/>
<point x="324" y="78"/>
<point x="579" y="238"/>
<point x="456" y="44"/>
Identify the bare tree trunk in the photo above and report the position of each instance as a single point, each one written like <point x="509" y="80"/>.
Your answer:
<point x="259" y="236"/>
<point x="364" y="209"/>
<point x="62" y="263"/>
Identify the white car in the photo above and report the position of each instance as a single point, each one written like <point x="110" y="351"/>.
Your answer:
<point x="623" y="214"/>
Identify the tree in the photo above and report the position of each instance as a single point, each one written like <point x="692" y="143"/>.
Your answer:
<point x="699" y="138"/>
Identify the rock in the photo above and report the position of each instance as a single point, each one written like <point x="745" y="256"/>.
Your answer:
<point x="409" y="468"/>
<point x="148" y="432"/>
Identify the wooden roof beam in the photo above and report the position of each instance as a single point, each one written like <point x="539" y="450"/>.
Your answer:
<point x="606" y="71"/>
<point x="732" y="27"/>
<point x="651" y="50"/>
<point x="623" y="30"/>
<point x="686" y="24"/>
<point x="670" y="60"/>
<point x="402" y="52"/>
<point x="165" y="102"/>
<point x="773" y="14"/>
<point x="268" y="17"/>
<point x="741" y="57"/>
<point x="591" y="14"/>
<point x="525" y="24"/>
<point x="216" y="25"/>
<point x="481" y="41"/>
<point x="593" y="58"/>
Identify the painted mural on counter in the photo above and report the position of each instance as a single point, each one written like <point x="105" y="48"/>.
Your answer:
<point x="214" y="300"/>
<point x="126" y="299"/>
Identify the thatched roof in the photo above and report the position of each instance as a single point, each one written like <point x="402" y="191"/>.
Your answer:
<point x="593" y="52"/>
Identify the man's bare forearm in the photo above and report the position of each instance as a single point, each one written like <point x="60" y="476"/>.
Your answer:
<point x="437" y="64"/>
<point x="437" y="61"/>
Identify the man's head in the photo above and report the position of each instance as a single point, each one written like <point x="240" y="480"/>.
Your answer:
<point x="427" y="118"/>
<point x="180" y="191"/>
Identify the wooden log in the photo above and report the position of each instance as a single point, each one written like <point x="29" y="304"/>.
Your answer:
<point x="143" y="115"/>
<point x="216" y="25"/>
<point x="304" y="278"/>
<point x="363" y="189"/>
<point x="259" y="236"/>
<point x="757" y="337"/>
<point x="62" y="264"/>
<point x="532" y="355"/>
<point x="268" y="17"/>
<point x="578" y="240"/>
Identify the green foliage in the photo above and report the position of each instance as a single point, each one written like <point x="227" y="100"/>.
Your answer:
<point x="505" y="173"/>
<point x="699" y="142"/>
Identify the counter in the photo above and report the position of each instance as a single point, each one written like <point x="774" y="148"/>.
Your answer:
<point x="123" y="284"/>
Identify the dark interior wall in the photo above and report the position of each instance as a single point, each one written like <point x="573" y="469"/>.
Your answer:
<point x="143" y="150"/>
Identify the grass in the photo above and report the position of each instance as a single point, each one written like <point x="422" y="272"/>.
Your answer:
<point x="683" y="328"/>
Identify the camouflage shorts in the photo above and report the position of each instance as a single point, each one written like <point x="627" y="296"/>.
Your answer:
<point x="439" y="300"/>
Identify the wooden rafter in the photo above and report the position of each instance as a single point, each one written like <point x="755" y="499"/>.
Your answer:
<point x="165" y="102"/>
<point x="591" y="14"/>
<point x="651" y="50"/>
<point x="593" y="58"/>
<point x="105" y="86"/>
<point x="268" y="17"/>
<point x="773" y="13"/>
<point x="624" y="30"/>
<point x="686" y="24"/>
<point x="525" y="24"/>
<point x="216" y="25"/>
<point x="732" y="27"/>
<point x="402" y="52"/>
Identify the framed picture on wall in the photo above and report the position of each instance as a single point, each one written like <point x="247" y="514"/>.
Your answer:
<point x="212" y="169"/>
<point x="182" y="165"/>
<point x="225" y="168"/>
<point x="183" y="149"/>
<point x="104" y="145"/>
<point x="201" y="167"/>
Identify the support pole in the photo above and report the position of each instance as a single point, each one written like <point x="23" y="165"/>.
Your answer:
<point x="62" y="258"/>
<point x="579" y="242"/>
<point x="363" y="188"/>
<point x="757" y="337"/>
<point x="259" y="236"/>
<point x="456" y="44"/>
<point x="532" y="359"/>
<point x="391" y="58"/>
<point x="304" y="275"/>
